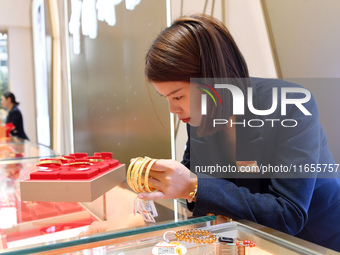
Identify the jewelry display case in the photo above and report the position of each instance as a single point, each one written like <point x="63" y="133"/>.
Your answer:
<point x="141" y="241"/>
<point x="26" y="224"/>
<point x="28" y="227"/>
<point x="23" y="222"/>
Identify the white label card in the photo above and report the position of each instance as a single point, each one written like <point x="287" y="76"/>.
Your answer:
<point x="150" y="206"/>
<point x="146" y="208"/>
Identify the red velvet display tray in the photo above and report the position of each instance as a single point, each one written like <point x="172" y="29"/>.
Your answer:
<point x="73" y="178"/>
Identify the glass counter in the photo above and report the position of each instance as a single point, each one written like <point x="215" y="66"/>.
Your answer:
<point x="28" y="227"/>
<point x="12" y="148"/>
<point x="27" y="224"/>
<point x="141" y="241"/>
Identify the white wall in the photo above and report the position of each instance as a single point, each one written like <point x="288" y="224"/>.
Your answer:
<point x="246" y="23"/>
<point x="307" y="38"/>
<point x="15" y="18"/>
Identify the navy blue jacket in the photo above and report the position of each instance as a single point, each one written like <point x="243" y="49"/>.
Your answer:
<point x="308" y="208"/>
<point x="15" y="117"/>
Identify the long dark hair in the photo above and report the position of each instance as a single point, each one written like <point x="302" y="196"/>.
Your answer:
<point x="11" y="96"/>
<point x="198" y="46"/>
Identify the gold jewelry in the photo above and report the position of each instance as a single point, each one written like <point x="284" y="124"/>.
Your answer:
<point x="146" y="177"/>
<point x="96" y="160"/>
<point x="193" y="195"/>
<point x="135" y="172"/>
<point x="79" y="163"/>
<point x="196" y="236"/>
<point x="206" y="237"/>
<point x="49" y="162"/>
<point x="128" y="174"/>
<point x="140" y="184"/>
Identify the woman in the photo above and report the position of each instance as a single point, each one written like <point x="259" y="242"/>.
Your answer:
<point x="200" y="46"/>
<point x="14" y="115"/>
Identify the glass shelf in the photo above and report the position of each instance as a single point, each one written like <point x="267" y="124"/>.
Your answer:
<point x="14" y="150"/>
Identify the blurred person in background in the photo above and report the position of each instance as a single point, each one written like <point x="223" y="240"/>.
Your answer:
<point x="14" y="115"/>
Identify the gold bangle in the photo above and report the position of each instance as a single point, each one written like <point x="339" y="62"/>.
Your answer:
<point x="196" y="236"/>
<point x="49" y="161"/>
<point x="134" y="174"/>
<point x="96" y="160"/>
<point x="139" y="171"/>
<point x="146" y="177"/>
<point x="128" y="174"/>
<point x="79" y="163"/>
<point x="140" y="186"/>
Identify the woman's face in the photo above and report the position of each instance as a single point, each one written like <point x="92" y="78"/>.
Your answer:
<point x="5" y="101"/>
<point x="178" y="95"/>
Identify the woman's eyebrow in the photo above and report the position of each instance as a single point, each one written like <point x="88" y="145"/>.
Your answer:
<point x="173" y="92"/>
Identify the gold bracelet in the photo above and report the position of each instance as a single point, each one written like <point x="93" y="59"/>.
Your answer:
<point x="79" y="163"/>
<point x="134" y="174"/>
<point x="193" y="195"/>
<point x="196" y="236"/>
<point x="140" y="183"/>
<point x="206" y="237"/>
<point x="128" y="174"/>
<point x="146" y="177"/>
<point x="96" y="160"/>
<point x="49" y="161"/>
<point x="136" y="183"/>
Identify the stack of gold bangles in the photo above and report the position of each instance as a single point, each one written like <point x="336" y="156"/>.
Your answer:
<point x="138" y="174"/>
<point x="196" y="236"/>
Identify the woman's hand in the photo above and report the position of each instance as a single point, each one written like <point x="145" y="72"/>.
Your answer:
<point x="171" y="179"/>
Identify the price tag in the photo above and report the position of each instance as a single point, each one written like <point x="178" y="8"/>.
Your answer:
<point x="172" y="248"/>
<point x="141" y="208"/>
<point x="150" y="206"/>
